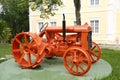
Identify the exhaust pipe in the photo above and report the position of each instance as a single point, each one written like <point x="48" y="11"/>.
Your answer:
<point x="64" y="28"/>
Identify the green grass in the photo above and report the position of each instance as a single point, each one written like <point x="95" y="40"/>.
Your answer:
<point x="5" y="49"/>
<point x="111" y="56"/>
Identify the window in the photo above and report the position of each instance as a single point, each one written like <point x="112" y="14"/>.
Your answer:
<point x="54" y="6"/>
<point x="94" y="2"/>
<point x="74" y="23"/>
<point x="41" y="6"/>
<point x="53" y="23"/>
<point x="40" y="24"/>
<point x="95" y="26"/>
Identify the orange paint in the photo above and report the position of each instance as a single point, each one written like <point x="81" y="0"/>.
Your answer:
<point x="29" y="49"/>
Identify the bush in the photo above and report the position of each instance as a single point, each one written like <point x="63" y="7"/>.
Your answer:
<point x="5" y="32"/>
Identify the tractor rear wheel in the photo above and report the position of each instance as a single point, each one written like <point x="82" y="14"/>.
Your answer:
<point x="28" y="49"/>
<point x="77" y="61"/>
<point x="95" y="52"/>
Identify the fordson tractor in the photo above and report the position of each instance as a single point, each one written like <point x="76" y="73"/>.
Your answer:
<point x="73" y="43"/>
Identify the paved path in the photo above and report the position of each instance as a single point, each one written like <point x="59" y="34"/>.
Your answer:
<point x="110" y="46"/>
<point x="51" y="70"/>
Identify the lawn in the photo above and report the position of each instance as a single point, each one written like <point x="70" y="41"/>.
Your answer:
<point x="111" y="56"/>
<point x="5" y="49"/>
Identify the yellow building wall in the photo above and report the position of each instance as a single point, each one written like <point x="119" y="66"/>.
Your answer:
<point x="118" y="28"/>
<point x="99" y="12"/>
<point x="58" y="18"/>
<point x="103" y="4"/>
<point x="100" y="16"/>
<point x="88" y="13"/>
<point x="68" y="10"/>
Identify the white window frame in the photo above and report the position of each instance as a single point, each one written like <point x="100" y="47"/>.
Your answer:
<point x="94" y="27"/>
<point x="52" y="22"/>
<point x="38" y="26"/>
<point x="94" y="3"/>
<point x="74" y="23"/>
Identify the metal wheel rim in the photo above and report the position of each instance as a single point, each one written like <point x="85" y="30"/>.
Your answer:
<point x="82" y="64"/>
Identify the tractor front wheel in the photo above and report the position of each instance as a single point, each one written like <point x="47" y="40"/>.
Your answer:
<point x="77" y="61"/>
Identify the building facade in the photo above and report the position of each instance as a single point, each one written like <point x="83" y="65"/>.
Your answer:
<point x="102" y="15"/>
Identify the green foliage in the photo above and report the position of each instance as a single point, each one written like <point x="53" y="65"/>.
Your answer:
<point x="47" y="8"/>
<point x="5" y="31"/>
<point x="6" y="34"/>
<point x="15" y="13"/>
<point x="2" y="25"/>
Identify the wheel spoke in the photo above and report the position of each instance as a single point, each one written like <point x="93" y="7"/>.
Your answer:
<point x="80" y="55"/>
<point x="29" y="58"/>
<point x="83" y="62"/>
<point x="81" y="68"/>
<point x="93" y="48"/>
<point x="94" y="54"/>
<point x="33" y="53"/>
<point x="95" y="51"/>
<point x="84" y="59"/>
<point x="93" y="59"/>
<point x="16" y="50"/>
<point x="72" y="66"/>
<point x="77" y="68"/>
<point x="26" y="39"/>
<point x="68" y="58"/>
<point x="21" y="58"/>
<point x="19" y="42"/>
<point x="32" y="43"/>
<point x="75" y="52"/>
<point x="70" y="62"/>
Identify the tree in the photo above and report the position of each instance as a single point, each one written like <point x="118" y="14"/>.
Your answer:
<point x="45" y="7"/>
<point x="15" y="13"/>
<point x="5" y="31"/>
<point x="77" y="4"/>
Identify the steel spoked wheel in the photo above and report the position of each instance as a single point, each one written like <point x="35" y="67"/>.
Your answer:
<point x="46" y="39"/>
<point x="77" y="61"/>
<point x="26" y="50"/>
<point x="95" y="52"/>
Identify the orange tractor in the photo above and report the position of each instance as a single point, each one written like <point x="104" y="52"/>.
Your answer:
<point x="73" y="43"/>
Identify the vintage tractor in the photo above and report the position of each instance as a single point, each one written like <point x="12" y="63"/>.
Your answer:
<point x="73" y="43"/>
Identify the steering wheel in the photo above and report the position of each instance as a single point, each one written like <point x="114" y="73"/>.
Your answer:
<point x="44" y="26"/>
